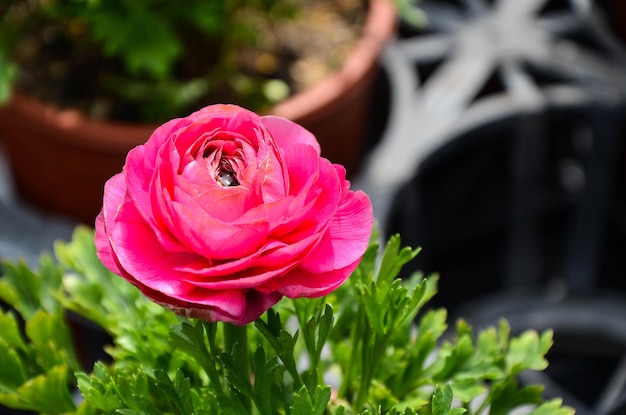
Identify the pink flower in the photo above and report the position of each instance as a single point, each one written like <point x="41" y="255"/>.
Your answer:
<point x="221" y="213"/>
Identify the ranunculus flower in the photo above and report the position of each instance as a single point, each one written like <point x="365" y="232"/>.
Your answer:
<point x="221" y="213"/>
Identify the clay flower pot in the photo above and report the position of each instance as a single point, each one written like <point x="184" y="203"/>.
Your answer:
<point x="60" y="159"/>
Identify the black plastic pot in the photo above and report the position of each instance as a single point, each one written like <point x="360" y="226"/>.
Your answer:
<point x="518" y="197"/>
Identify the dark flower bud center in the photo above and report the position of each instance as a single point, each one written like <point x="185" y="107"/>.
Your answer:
<point x="226" y="176"/>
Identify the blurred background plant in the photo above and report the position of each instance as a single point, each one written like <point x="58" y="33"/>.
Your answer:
<point x="152" y="60"/>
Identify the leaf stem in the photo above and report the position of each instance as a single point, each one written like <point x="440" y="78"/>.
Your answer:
<point x="209" y="356"/>
<point x="236" y="344"/>
<point x="308" y="333"/>
<point x="355" y="338"/>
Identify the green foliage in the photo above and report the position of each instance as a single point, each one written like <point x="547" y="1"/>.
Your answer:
<point x="409" y="11"/>
<point x="8" y="71"/>
<point x="370" y="347"/>
<point x="36" y="351"/>
<point x="143" y="48"/>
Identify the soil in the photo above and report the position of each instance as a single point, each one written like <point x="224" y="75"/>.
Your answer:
<point x="287" y="57"/>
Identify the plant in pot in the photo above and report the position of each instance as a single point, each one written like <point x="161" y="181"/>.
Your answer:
<point x="268" y="295"/>
<point x="85" y="81"/>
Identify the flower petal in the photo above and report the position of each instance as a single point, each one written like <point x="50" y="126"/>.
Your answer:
<point x="287" y="133"/>
<point x="347" y="236"/>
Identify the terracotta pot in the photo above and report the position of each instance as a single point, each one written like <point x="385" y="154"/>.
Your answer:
<point x="60" y="159"/>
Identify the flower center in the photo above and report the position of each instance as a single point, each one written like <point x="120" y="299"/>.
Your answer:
<point x="226" y="176"/>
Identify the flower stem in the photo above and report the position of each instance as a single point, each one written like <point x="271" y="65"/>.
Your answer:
<point x="209" y="357"/>
<point x="236" y="345"/>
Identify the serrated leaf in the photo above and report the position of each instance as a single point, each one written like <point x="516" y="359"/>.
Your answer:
<point x="13" y="373"/>
<point x="487" y="343"/>
<point x="507" y="396"/>
<point x="459" y="356"/>
<point x="190" y="339"/>
<point x="365" y="270"/>
<point x="553" y="407"/>
<point x="99" y="389"/>
<point x="178" y="392"/>
<point x="527" y="352"/>
<point x="229" y="404"/>
<point x="325" y="324"/>
<point x="467" y="390"/>
<point x="141" y="38"/>
<point x="304" y="405"/>
<point x="10" y="332"/>
<point x="204" y="401"/>
<point x="282" y="342"/>
<point x="131" y="386"/>
<point x="442" y="400"/>
<point x="51" y="340"/>
<point x="49" y="393"/>
<point x="394" y="258"/>
<point x="144" y="405"/>
<point x="264" y="371"/>
<point x="504" y="334"/>
<point x="482" y="370"/>
<point x="238" y="380"/>
<point x="22" y="288"/>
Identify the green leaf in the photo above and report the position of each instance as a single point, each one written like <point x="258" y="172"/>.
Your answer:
<point x="264" y="371"/>
<point x="304" y="405"/>
<point x="506" y="396"/>
<point x="13" y="373"/>
<point x="178" y="392"/>
<point x="28" y="291"/>
<point x="144" y="406"/>
<point x="141" y="38"/>
<point x="99" y="389"/>
<point x="411" y="14"/>
<point x="442" y="400"/>
<point x="49" y="393"/>
<point x="237" y="379"/>
<point x="10" y="332"/>
<point x="8" y="71"/>
<point x="325" y="324"/>
<point x="394" y="258"/>
<point x="368" y="261"/>
<point x="553" y="407"/>
<point x="459" y="356"/>
<point x="20" y="288"/>
<point x="527" y="352"/>
<point x="205" y="402"/>
<point x="190" y="339"/>
<point x="282" y="342"/>
<point x="467" y="390"/>
<point x="129" y="412"/>
<point x="51" y="340"/>
<point x="483" y="369"/>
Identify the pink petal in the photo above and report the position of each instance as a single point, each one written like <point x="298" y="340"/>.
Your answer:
<point x="287" y="133"/>
<point x="347" y="236"/>
<point x="302" y="164"/>
<point x="303" y="283"/>
<point x="212" y="238"/>
<point x="255" y="271"/>
<point x="139" y="253"/>
<point x="103" y="246"/>
<point x="223" y="203"/>
<point x="255" y="304"/>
